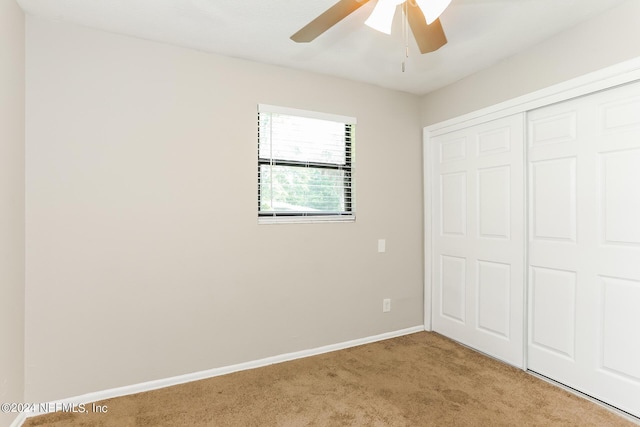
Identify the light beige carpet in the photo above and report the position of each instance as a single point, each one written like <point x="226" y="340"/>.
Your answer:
<point x="421" y="379"/>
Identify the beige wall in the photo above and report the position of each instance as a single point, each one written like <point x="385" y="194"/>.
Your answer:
<point x="11" y="205"/>
<point x="606" y="40"/>
<point x="144" y="255"/>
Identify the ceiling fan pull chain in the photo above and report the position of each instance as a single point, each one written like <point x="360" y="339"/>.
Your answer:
<point x="405" y="33"/>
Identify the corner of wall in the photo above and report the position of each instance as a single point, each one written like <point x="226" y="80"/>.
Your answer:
<point x="12" y="211"/>
<point x="603" y="41"/>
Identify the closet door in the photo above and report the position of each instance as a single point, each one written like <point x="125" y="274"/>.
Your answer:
<point x="584" y="244"/>
<point x="478" y="244"/>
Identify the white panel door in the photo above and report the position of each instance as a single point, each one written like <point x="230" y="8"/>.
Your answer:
<point x="584" y="244"/>
<point x="478" y="240"/>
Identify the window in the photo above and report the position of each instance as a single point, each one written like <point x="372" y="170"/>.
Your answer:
<point x="305" y="165"/>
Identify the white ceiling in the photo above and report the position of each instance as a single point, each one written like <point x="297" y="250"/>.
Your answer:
<point x="480" y="33"/>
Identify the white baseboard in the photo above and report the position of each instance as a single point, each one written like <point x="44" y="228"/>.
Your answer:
<point x="210" y="373"/>
<point x="20" y="419"/>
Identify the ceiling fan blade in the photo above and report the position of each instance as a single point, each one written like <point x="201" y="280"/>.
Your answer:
<point x="429" y="37"/>
<point x="432" y="9"/>
<point x="326" y="20"/>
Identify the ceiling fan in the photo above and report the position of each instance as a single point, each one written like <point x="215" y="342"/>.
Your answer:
<point x="421" y="15"/>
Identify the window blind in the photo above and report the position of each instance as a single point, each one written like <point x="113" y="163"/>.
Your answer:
<point x="305" y="163"/>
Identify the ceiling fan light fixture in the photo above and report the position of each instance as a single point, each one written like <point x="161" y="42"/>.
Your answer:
<point x="381" y="17"/>
<point x="432" y="9"/>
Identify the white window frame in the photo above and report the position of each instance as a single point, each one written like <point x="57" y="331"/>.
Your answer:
<point x="286" y="219"/>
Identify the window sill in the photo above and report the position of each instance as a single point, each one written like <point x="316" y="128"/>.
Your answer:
<point x="305" y="219"/>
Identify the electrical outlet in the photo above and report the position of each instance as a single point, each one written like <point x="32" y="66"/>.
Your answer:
<point x="386" y="305"/>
